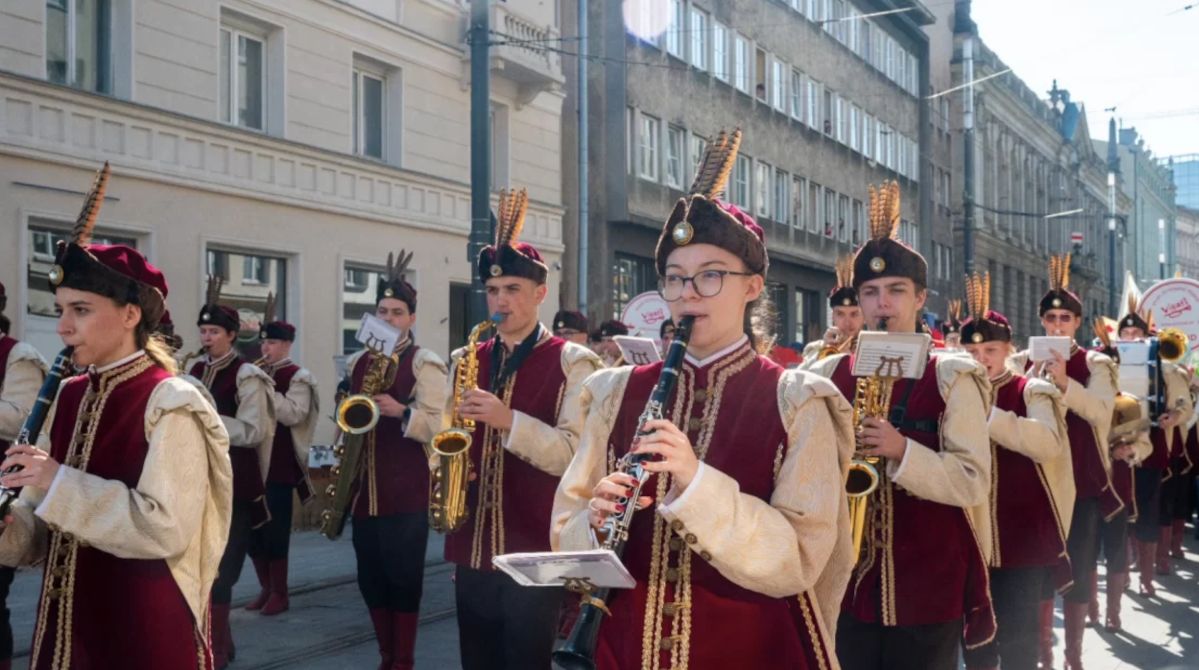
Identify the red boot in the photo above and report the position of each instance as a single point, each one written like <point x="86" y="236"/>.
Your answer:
<point x="262" y="568"/>
<point x="219" y="634"/>
<point x="1163" y="551"/>
<point x="1076" y="626"/>
<point x="1045" y="634"/>
<point x="1146" y="554"/>
<point x="1093" y="606"/>
<point x="381" y="620"/>
<point x="1115" y="591"/>
<point x="403" y="640"/>
<point x="277" y="603"/>
<point x="1177" y="531"/>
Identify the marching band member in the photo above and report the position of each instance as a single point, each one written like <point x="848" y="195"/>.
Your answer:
<point x="1087" y="380"/>
<point x="296" y="409"/>
<point x="847" y="319"/>
<point x="607" y="348"/>
<point x="571" y="326"/>
<point x="920" y="586"/>
<point x="390" y="508"/>
<point x="526" y="409"/>
<point x="127" y="503"/>
<point x="20" y="379"/>
<point x="244" y="396"/>
<point x="741" y="554"/>
<point x="1156" y="475"/>
<point x="951" y="329"/>
<point x="1032" y="485"/>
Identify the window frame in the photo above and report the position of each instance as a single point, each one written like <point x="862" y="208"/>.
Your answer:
<point x="230" y="114"/>
<point x="357" y="104"/>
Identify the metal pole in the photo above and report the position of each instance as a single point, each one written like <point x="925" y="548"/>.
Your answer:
<point x="480" y="152"/>
<point x="1112" y="308"/>
<point x="1161" y="248"/>
<point x="584" y="148"/>
<point x="968" y="154"/>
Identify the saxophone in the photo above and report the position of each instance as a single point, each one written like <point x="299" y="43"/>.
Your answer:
<point x="451" y="447"/>
<point x="356" y="416"/>
<point x="871" y="399"/>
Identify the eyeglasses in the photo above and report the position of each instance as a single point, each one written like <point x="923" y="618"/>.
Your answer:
<point x="566" y="332"/>
<point x="707" y="284"/>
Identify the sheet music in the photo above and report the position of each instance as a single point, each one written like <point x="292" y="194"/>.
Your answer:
<point x="595" y="567"/>
<point x="1041" y="347"/>
<point x="377" y="335"/>
<point x="638" y="350"/>
<point x="899" y="355"/>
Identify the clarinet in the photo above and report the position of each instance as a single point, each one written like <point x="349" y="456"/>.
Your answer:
<point x="37" y="416"/>
<point x="578" y="652"/>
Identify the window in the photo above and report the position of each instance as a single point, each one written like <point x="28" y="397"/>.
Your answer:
<point x="778" y="85"/>
<point x="782" y="197"/>
<point x="797" y="87"/>
<point x="243" y="80"/>
<point x="246" y="291"/>
<point x="901" y="155"/>
<point x="699" y="39"/>
<point x="762" y="192"/>
<point x="812" y="117"/>
<point x="631" y="276"/>
<point x="839" y="118"/>
<point x="368" y="114"/>
<point x="44" y="237"/>
<point x="799" y="189"/>
<point x="830" y="213"/>
<point x="855" y="125"/>
<point x="630" y="131"/>
<point x="859" y="224"/>
<point x="827" y="113"/>
<point x="698" y="146"/>
<point x="357" y="298"/>
<point x="78" y="44"/>
<point x="649" y="148"/>
<point x="843" y="221"/>
<point x="741" y="181"/>
<point x="805" y="329"/>
<point x="675" y="143"/>
<point x="815" y="208"/>
<point x="720" y="51"/>
<point x="868" y="136"/>
<point x="741" y="63"/>
<point x="674" y="34"/>
<point x="760" y="75"/>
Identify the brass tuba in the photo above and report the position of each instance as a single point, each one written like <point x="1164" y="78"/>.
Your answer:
<point x="451" y="447"/>
<point x="1172" y="344"/>
<point x="356" y="416"/>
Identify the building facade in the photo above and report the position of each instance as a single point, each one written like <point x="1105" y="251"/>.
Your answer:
<point x="1151" y="223"/>
<point x="1040" y="188"/>
<point x="1186" y="179"/>
<point x="284" y="145"/>
<point x="829" y="102"/>
<point x="1186" y="243"/>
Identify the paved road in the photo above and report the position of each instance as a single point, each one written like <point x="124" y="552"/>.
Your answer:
<point x="327" y="627"/>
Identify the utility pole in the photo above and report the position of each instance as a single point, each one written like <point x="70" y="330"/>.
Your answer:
<point x="1113" y="166"/>
<point x="968" y="151"/>
<point x="480" y="152"/>
<point x="1161" y="248"/>
<point x="584" y="149"/>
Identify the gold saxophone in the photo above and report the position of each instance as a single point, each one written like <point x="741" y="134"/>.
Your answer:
<point x="871" y="399"/>
<point x="357" y="415"/>
<point x="448" y="482"/>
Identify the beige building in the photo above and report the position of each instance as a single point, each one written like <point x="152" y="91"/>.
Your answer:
<point x="286" y="145"/>
<point x="1186" y="242"/>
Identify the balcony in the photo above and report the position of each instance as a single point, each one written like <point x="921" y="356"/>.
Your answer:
<point x="519" y="53"/>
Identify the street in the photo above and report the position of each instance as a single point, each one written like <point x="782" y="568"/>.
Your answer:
<point x="327" y="627"/>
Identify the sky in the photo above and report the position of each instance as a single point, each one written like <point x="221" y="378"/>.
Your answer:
<point x="1141" y="56"/>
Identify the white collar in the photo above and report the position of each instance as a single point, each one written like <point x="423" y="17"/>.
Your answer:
<point x="116" y="364"/>
<point x="719" y="354"/>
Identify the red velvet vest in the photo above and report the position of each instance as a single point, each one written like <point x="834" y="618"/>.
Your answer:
<point x="1025" y="527"/>
<point x="921" y="562"/>
<point x="6" y="346"/>
<point x="285" y="468"/>
<point x="124" y="613"/>
<point x="700" y="614"/>
<point x="221" y="381"/>
<point x="395" y="471"/>
<point x="1091" y="479"/>
<point x="509" y="504"/>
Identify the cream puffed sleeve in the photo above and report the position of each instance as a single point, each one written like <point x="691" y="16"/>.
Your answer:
<point x="547" y="447"/>
<point x="428" y="396"/>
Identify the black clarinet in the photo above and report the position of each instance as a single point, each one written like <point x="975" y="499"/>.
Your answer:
<point x="578" y="652"/>
<point x="37" y="417"/>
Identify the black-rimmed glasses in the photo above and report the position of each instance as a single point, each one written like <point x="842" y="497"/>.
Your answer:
<point x="707" y="284"/>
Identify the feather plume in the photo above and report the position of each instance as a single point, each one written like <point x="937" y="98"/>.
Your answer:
<point x="844" y="271"/>
<point x="1099" y="325"/>
<point x="212" y="292"/>
<point x="401" y="266"/>
<point x="884" y="210"/>
<point x="978" y="295"/>
<point x="1132" y="304"/>
<point x="389" y="267"/>
<point x="81" y="234"/>
<point x="719" y="158"/>
<point x="1059" y="272"/>
<point x="268" y="312"/>
<point x="512" y="209"/>
<point x="955" y="310"/>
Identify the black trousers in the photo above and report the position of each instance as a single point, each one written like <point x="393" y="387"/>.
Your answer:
<point x="873" y="646"/>
<point x="1149" y="489"/>
<point x="1082" y="544"/>
<point x="6" y="577"/>
<point x="1113" y="540"/>
<point x="272" y="540"/>
<point x="1186" y="505"/>
<point x="390" y="551"/>
<point x="240" y="532"/>
<point x="503" y="625"/>
<point x="1016" y="594"/>
<point x="1174" y="496"/>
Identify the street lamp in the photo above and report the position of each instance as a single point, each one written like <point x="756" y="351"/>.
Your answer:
<point x="1161" y="247"/>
